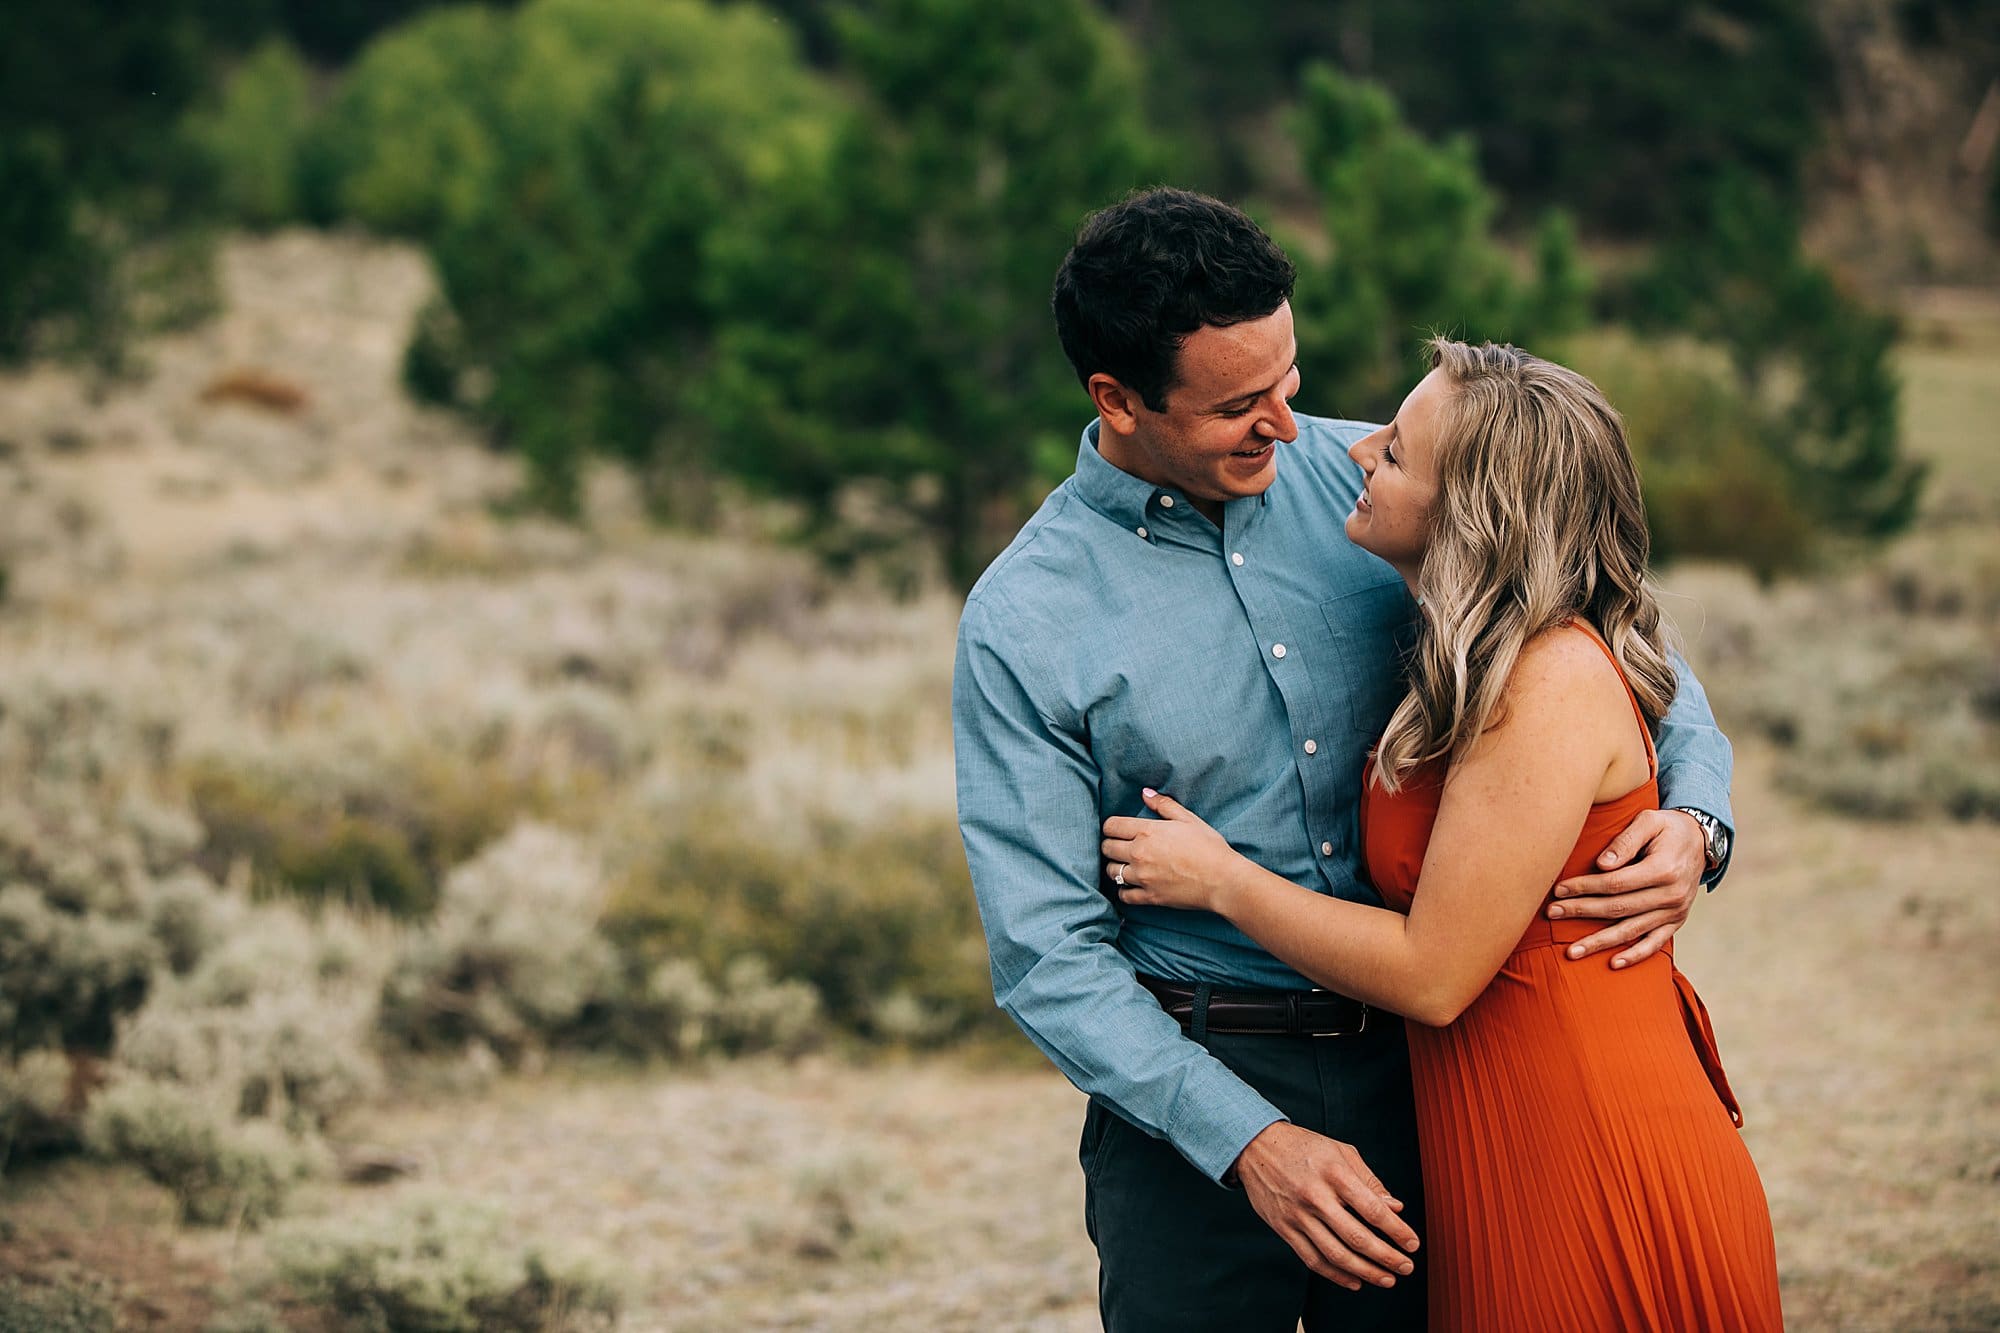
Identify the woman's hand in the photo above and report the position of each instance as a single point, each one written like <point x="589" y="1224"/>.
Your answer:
<point x="1173" y="861"/>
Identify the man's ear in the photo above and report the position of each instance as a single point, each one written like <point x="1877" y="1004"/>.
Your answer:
<point x="1117" y="406"/>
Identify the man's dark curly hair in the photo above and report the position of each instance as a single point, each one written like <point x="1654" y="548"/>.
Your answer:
<point x="1150" y="270"/>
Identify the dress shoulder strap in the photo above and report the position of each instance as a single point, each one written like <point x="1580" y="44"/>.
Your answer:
<point x="1645" y="731"/>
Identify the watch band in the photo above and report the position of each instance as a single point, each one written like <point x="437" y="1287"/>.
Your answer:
<point x="1714" y="837"/>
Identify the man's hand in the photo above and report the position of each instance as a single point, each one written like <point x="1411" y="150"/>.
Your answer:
<point x="1647" y="880"/>
<point x="1324" y="1202"/>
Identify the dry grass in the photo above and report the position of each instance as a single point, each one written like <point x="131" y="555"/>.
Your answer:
<point x="1848" y="967"/>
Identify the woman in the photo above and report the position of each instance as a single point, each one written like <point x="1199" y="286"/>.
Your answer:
<point x="1580" y="1150"/>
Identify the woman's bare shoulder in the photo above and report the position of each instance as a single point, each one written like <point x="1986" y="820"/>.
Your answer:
<point x="1564" y="663"/>
<point x="1566" y="683"/>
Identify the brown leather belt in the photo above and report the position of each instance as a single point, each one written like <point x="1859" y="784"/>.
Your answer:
<point x="1263" y="1013"/>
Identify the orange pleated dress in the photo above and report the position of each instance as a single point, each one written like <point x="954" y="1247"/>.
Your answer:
<point x="1582" y="1164"/>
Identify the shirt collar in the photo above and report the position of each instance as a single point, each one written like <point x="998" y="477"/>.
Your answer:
<point x="1129" y="501"/>
<point x="1137" y="505"/>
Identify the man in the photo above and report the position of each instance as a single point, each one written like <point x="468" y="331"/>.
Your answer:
<point x="1185" y="613"/>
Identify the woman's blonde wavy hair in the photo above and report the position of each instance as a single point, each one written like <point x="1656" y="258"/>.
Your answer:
<point x="1537" y="519"/>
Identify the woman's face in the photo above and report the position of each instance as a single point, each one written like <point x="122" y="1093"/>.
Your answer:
<point x="1399" y="480"/>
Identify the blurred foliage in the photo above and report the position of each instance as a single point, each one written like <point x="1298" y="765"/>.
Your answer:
<point x="331" y="30"/>
<point x="221" y="1171"/>
<point x="379" y="836"/>
<point x="1879" y="688"/>
<point x="808" y="247"/>
<point x="884" y="308"/>
<point x="1625" y="112"/>
<point x="90" y="160"/>
<point x="1620" y="111"/>
<point x="1219" y="77"/>
<point x="255" y="135"/>
<point x="1810" y="351"/>
<point x="1414" y="253"/>
<point x="441" y="1267"/>
<point x="569" y="166"/>
<point x="880" y="922"/>
<point x="1714" y="486"/>
<point x="75" y="952"/>
<point x="46" y="1303"/>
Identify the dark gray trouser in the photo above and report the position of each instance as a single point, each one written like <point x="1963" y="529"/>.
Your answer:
<point x="1178" y="1253"/>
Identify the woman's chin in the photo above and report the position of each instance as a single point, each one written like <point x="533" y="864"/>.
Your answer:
<point x="1356" y="527"/>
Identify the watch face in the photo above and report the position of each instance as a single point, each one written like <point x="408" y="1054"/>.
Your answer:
<point x="1714" y="836"/>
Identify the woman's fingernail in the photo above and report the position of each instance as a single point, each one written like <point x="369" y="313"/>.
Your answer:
<point x="1617" y="963"/>
<point x="1576" y="951"/>
<point x="1150" y="793"/>
<point x="1556" y="910"/>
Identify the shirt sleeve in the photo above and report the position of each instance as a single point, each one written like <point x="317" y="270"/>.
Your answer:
<point x="1028" y="811"/>
<point x="1695" y="757"/>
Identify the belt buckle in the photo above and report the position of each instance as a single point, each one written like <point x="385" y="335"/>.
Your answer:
<point x="1356" y="1031"/>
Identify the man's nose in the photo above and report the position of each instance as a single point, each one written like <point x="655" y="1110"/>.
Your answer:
<point x="1279" y="423"/>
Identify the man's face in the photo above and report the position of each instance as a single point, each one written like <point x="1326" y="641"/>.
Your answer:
<point x="1217" y="439"/>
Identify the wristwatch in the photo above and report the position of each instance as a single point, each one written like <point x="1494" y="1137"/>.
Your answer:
<point x="1714" y="836"/>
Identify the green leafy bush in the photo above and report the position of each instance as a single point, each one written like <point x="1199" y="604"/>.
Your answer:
<point x="54" y="1306"/>
<point x="514" y="957"/>
<point x="880" y="922"/>
<point x="515" y="960"/>
<point x="255" y="136"/>
<point x="882" y="309"/>
<point x="68" y="975"/>
<point x="1713" y="487"/>
<point x="1413" y="252"/>
<point x="76" y="950"/>
<point x="568" y="165"/>
<point x="372" y="829"/>
<point x="275" y="1021"/>
<point x="221" y="1170"/>
<point x="35" y="1103"/>
<point x="1809" y="352"/>
<point x="407" y="143"/>
<point x="434" y="1267"/>
<point x="1570" y="103"/>
<point x="90" y="165"/>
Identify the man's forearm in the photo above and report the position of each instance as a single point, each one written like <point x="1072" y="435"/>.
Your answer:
<point x="1081" y="1007"/>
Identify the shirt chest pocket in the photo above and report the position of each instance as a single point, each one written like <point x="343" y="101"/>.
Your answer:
<point x="1370" y="629"/>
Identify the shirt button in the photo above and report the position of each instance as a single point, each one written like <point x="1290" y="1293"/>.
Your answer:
<point x="1142" y="532"/>
<point x="1277" y="650"/>
<point x="1166" y="502"/>
<point x="1236" y="557"/>
<point x="1326" y="849"/>
<point x="1312" y="747"/>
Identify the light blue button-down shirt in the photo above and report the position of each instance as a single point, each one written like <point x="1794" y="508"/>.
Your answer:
<point x="1124" y="641"/>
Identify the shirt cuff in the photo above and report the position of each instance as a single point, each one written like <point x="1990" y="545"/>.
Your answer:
<point x="1215" y="1117"/>
<point x="1691" y="784"/>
